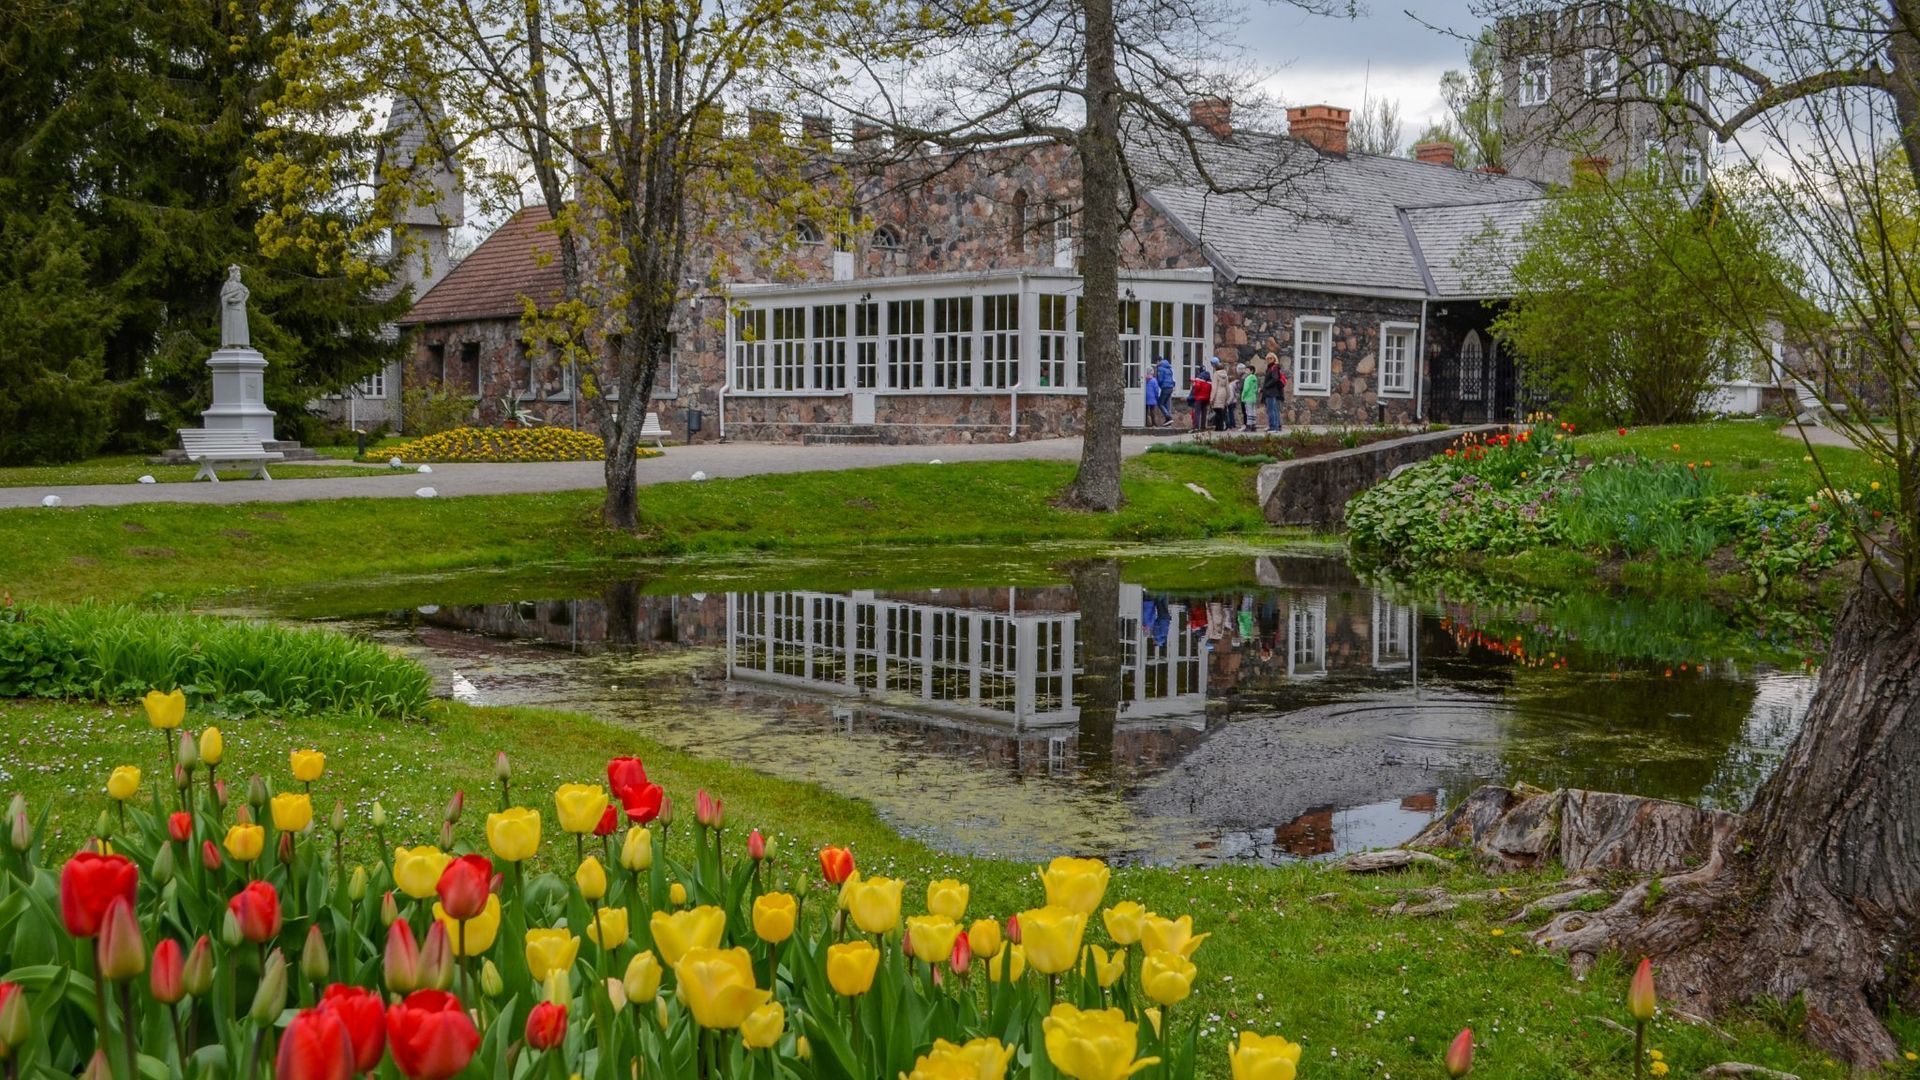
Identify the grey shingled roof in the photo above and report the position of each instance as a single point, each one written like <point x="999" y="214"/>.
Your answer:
<point x="1469" y="250"/>
<point x="1306" y="218"/>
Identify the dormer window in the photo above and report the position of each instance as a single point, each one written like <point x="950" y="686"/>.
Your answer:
<point x="885" y="238"/>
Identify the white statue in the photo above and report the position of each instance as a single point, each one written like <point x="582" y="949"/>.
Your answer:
<point x="233" y="311"/>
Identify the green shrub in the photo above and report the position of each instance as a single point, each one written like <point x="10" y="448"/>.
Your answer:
<point x="430" y="410"/>
<point x="228" y="667"/>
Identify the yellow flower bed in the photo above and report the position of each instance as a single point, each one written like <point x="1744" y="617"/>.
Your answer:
<point x="502" y="444"/>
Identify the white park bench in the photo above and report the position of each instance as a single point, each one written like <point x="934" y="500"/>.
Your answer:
<point x="651" y="429"/>
<point x="208" y="447"/>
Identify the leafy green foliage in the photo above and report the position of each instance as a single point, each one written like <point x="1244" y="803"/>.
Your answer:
<point x="117" y="653"/>
<point x="430" y="410"/>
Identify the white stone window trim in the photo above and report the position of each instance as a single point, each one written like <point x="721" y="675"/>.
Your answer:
<point x="1322" y="386"/>
<point x="1530" y="66"/>
<point x="1600" y="72"/>
<point x="1411" y="331"/>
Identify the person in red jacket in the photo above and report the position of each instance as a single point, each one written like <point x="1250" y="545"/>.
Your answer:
<point x="1198" y="395"/>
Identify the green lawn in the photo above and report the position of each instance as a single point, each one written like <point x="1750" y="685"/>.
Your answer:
<point x="1744" y="453"/>
<point x="1298" y="949"/>
<point x="129" y="468"/>
<point x="159" y="552"/>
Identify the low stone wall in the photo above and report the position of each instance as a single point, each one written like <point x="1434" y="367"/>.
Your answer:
<point x="1315" y="490"/>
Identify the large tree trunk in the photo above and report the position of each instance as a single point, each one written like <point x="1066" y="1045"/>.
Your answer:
<point x="1097" y="485"/>
<point x="1820" y="896"/>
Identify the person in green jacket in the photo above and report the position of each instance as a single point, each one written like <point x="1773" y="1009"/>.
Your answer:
<point x="1249" y="396"/>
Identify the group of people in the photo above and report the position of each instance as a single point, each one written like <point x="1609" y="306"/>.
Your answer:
<point x="1222" y="396"/>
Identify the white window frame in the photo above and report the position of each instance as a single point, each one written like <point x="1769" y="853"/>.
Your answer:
<point x="1000" y="359"/>
<point x="1693" y="167"/>
<point x="1655" y="152"/>
<point x="1532" y="92"/>
<point x="1656" y="78"/>
<point x="1409" y="332"/>
<point x="1053" y="322"/>
<point x="1600" y="72"/>
<point x="1322" y="383"/>
<point x="374" y="386"/>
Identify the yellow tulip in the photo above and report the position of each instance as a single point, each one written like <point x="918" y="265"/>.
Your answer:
<point x="307" y="765"/>
<point x="677" y="894"/>
<point x="932" y="937"/>
<point x="984" y="938"/>
<point x="1051" y="935"/>
<point x="165" y="710"/>
<point x="763" y="1026"/>
<point x="1092" y="1044"/>
<point x="847" y="887"/>
<point x="978" y="1059"/>
<point x="514" y="833"/>
<point x="212" y="746"/>
<point x="948" y="897"/>
<point x="124" y="782"/>
<point x="874" y="904"/>
<point x="1009" y="965"/>
<point x="677" y="933"/>
<point x="1263" y="1057"/>
<point x="480" y="932"/>
<point x="1107" y="969"/>
<point x="774" y="914"/>
<point x="636" y="851"/>
<point x="609" y="929"/>
<point x="1125" y="920"/>
<point x="417" y="870"/>
<point x="1159" y="934"/>
<point x="1075" y="884"/>
<point x="580" y="806"/>
<point x="716" y="985"/>
<point x="642" y="981"/>
<point x="245" y="842"/>
<point x="1167" y="977"/>
<point x="550" y="951"/>
<point x="292" y="811"/>
<point x="850" y="967"/>
<point x="592" y="878"/>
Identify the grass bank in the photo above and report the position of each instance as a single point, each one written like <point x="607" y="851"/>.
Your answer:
<point x="161" y="553"/>
<point x="1298" y="949"/>
<point x="129" y="468"/>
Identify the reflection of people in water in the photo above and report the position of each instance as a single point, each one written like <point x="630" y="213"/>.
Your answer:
<point x="1162" y="622"/>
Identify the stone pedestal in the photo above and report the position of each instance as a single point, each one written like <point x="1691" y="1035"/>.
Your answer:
<point x="239" y="401"/>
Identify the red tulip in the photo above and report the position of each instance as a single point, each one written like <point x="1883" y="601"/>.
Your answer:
<point x="180" y="826"/>
<point x="642" y="802"/>
<point x="708" y="810"/>
<point x="16" y="1018"/>
<point x="315" y="1047"/>
<point x="431" y="1035"/>
<point x="624" y="773"/>
<point x="962" y="957"/>
<point x="209" y="855"/>
<point x="456" y="806"/>
<point x="257" y="909"/>
<point x="1460" y="1054"/>
<point x="120" y="951"/>
<point x="197" y="976"/>
<point x="609" y="821"/>
<point x="89" y="884"/>
<point x="756" y="846"/>
<point x="546" y="1026"/>
<point x="167" y="976"/>
<point x="220" y="793"/>
<point x="1640" y="996"/>
<point x="402" y="959"/>
<point x="1013" y="929"/>
<point x="463" y="886"/>
<point x="836" y="864"/>
<point x="364" y="1015"/>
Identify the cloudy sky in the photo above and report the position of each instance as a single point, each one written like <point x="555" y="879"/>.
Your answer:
<point x="1385" y="52"/>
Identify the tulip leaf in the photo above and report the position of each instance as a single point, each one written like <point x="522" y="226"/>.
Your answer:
<point x="493" y="1045"/>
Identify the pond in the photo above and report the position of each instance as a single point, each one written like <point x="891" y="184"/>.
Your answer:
<point x="1167" y="707"/>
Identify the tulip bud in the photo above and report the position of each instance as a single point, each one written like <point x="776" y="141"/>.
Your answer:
<point x="756" y="846"/>
<point x="357" y="885"/>
<point x="220" y="793"/>
<point x="665" y="816"/>
<point x="708" y="810"/>
<point x="491" y="984"/>
<point x="314" y="962"/>
<point x="167" y="976"/>
<point x="502" y="771"/>
<point x="17" y="804"/>
<point x="180" y="826"/>
<point x="1013" y="929"/>
<point x="339" y="819"/>
<point x="906" y="946"/>
<point x="377" y="815"/>
<point x="1640" y="995"/>
<point x="446" y="835"/>
<point x="230" y="935"/>
<point x="98" y="1068"/>
<point x="436" y="958"/>
<point x="1460" y="1054"/>
<point x="636" y="852"/>
<point x="16" y="1019"/>
<point x="402" y="960"/>
<point x="558" y="987"/>
<point x="616" y="994"/>
<point x="257" y="792"/>
<point x="189" y="757"/>
<point x="592" y="879"/>
<point x="120" y="951"/>
<point x="209" y="855"/>
<point x="22" y="831"/>
<point x="271" y="996"/>
<point x="197" y="975"/>
<point x="285" y="847"/>
<point x="962" y="957"/>
<point x="243" y="814"/>
<point x="181" y="777"/>
<point x="389" y="910"/>
<point x="162" y="870"/>
<point x="103" y="826"/>
<point x="660" y="1011"/>
<point x="677" y="894"/>
<point x="803" y="1049"/>
<point x="455" y="805"/>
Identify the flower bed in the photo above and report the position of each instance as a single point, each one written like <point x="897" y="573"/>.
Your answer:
<point x="509" y="444"/>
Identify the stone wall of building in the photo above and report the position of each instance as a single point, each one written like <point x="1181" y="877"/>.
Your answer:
<point x="910" y="419"/>
<point x="1252" y="321"/>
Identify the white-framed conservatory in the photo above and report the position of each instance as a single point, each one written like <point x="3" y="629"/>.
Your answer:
<point x="964" y="333"/>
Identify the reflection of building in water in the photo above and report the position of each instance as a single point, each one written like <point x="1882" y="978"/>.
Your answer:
<point x="622" y="616"/>
<point x="1009" y="656"/>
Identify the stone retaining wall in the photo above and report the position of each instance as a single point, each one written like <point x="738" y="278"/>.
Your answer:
<point x="1315" y="490"/>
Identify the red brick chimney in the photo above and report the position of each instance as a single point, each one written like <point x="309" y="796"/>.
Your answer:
<point x="1438" y="152"/>
<point x="1591" y="170"/>
<point x="1324" y="127"/>
<point x="1492" y="170"/>
<point x="1215" y="114"/>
